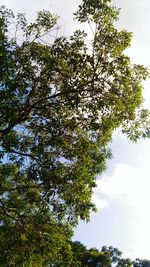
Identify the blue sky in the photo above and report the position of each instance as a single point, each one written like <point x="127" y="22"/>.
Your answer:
<point x="123" y="192"/>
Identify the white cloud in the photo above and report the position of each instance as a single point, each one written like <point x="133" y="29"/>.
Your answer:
<point x="130" y="188"/>
<point x="99" y="202"/>
<point x="141" y="232"/>
<point x="128" y="185"/>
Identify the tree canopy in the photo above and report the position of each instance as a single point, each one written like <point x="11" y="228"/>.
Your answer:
<point x="61" y="100"/>
<point x="106" y="257"/>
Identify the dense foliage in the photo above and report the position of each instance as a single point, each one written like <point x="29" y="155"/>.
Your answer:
<point x="61" y="100"/>
<point x="106" y="257"/>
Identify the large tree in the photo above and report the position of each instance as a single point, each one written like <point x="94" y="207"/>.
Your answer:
<point x="61" y="100"/>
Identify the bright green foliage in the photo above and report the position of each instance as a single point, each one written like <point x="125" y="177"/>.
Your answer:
<point x="140" y="127"/>
<point x="60" y="104"/>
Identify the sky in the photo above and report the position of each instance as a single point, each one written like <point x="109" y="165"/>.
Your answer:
<point x="122" y="195"/>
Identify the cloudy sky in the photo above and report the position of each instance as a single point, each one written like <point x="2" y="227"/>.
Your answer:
<point x="123" y="192"/>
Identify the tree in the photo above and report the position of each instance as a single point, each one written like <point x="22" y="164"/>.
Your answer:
<point x="89" y="257"/>
<point x="61" y="101"/>
<point x="106" y="257"/>
<point x="141" y="263"/>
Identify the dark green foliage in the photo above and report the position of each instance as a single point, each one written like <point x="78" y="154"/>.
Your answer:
<point x="60" y="104"/>
<point x="106" y="257"/>
<point x="141" y="263"/>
